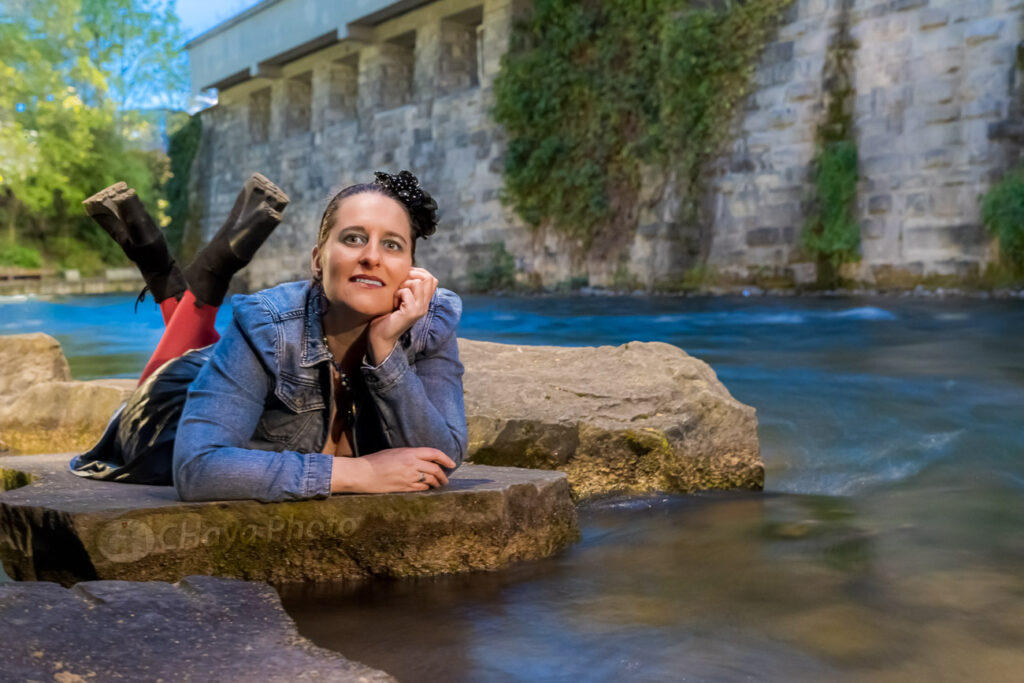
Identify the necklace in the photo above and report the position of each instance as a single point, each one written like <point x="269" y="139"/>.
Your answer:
<point x="342" y="375"/>
<point x="345" y="403"/>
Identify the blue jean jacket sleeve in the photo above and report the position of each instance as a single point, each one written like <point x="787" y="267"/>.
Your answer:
<point x="224" y="406"/>
<point x="422" y="405"/>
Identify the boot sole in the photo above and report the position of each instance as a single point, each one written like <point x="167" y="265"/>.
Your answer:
<point x="274" y="195"/>
<point x="107" y="199"/>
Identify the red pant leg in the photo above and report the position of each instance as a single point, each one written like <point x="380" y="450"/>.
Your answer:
<point x="190" y="327"/>
<point x="167" y="308"/>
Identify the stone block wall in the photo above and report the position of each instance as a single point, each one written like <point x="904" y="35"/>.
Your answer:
<point x="933" y="79"/>
<point x="415" y="94"/>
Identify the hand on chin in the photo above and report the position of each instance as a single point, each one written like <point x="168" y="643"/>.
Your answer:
<point x="411" y="301"/>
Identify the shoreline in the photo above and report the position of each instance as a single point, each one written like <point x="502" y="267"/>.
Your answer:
<point x="55" y="287"/>
<point x="920" y="291"/>
<point x="751" y="291"/>
<point x="91" y="286"/>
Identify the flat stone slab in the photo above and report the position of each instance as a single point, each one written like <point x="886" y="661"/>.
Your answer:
<point x="201" y="628"/>
<point x="56" y="526"/>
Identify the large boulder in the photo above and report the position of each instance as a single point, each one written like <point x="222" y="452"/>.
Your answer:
<point x="27" y="360"/>
<point x="199" y="629"/>
<point x="55" y="526"/>
<point x="61" y="416"/>
<point x="638" y="418"/>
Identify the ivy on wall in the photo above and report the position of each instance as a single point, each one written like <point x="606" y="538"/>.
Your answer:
<point x="181" y="149"/>
<point x="497" y="273"/>
<point x="832" y="232"/>
<point x="591" y="91"/>
<point x="1002" y="212"/>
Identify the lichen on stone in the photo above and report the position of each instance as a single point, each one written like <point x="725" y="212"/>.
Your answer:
<point x="13" y="479"/>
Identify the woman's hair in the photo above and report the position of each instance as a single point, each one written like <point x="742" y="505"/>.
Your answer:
<point x="403" y="188"/>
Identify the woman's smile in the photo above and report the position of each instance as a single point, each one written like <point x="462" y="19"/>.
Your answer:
<point x="367" y="281"/>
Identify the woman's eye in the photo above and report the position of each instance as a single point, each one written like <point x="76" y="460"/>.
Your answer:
<point x="392" y="245"/>
<point x="352" y="238"/>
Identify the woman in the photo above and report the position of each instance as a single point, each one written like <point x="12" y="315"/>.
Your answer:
<point x="361" y="361"/>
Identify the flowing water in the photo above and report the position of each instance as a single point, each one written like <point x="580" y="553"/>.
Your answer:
<point x="888" y="545"/>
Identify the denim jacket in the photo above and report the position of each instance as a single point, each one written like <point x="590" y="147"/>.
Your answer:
<point x="257" y="415"/>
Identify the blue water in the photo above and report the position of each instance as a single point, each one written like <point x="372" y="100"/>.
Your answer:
<point x="102" y="336"/>
<point x="888" y="544"/>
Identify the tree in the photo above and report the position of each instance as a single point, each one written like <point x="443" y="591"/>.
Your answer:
<point x="140" y="46"/>
<point x="61" y="134"/>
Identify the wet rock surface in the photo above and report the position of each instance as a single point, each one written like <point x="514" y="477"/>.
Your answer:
<point x="638" y="418"/>
<point x="55" y="526"/>
<point x="201" y="628"/>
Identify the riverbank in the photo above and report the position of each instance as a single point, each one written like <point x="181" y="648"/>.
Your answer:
<point x="750" y="291"/>
<point x="747" y="291"/>
<point x="116" y="280"/>
<point x="69" y="282"/>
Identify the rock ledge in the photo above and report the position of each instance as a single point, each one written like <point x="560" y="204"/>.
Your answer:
<point x="201" y="628"/>
<point x="56" y="526"/>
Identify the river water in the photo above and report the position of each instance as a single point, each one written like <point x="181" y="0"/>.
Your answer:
<point x="888" y="544"/>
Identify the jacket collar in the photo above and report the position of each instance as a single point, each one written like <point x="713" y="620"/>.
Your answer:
<point x="313" y="349"/>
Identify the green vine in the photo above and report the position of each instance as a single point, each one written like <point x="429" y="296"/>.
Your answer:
<point x="498" y="273"/>
<point x="1002" y="212"/>
<point x="592" y="91"/>
<point x="832" y="233"/>
<point x="181" y="149"/>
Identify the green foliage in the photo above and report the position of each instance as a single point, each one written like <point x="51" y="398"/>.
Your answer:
<point x="182" y="150"/>
<point x="623" y="280"/>
<point x="573" y="284"/>
<point x="19" y="256"/>
<point x="590" y="92"/>
<point x="14" y="479"/>
<point x="138" y="45"/>
<point x="62" y="137"/>
<point x="832" y="233"/>
<point x="700" y="276"/>
<point x="1002" y="212"/>
<point x="499" y="273"/>
<point x="707" y="63"/>
<point x="70" y="252"/>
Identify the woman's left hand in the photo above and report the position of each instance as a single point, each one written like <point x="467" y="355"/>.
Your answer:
<point x="412" y="299"/>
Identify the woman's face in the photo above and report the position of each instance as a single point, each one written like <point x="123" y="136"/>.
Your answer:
<point x="367" y="254"/>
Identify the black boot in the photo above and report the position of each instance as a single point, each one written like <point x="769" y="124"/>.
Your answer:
<point x="118" y="210"/>
<point x="257" y="211"/>
<point x="101" y="208"/>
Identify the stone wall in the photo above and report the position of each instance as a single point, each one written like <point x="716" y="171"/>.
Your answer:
<point x="415" y="94"/>
<point x="932" y="79"/>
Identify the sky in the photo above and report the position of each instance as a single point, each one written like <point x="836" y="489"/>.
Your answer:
<point x="198" y="16"/>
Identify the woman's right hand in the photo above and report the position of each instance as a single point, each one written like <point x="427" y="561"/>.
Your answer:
<point x="390" y="471"/>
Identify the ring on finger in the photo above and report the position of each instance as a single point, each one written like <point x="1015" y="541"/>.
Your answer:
<point x="423" y="478"/>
